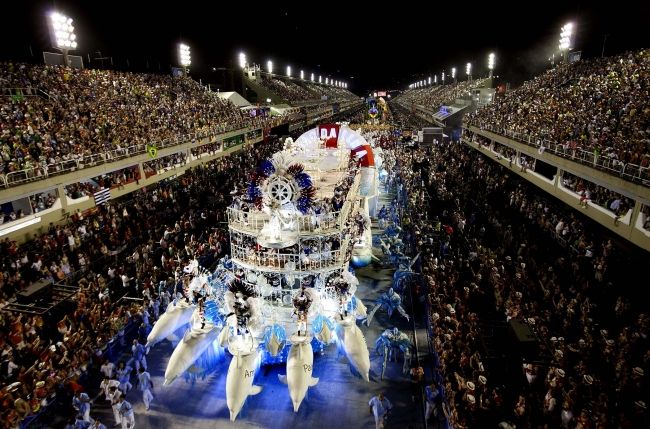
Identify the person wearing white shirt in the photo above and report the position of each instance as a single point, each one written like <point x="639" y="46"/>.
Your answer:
<point x="106" y="385"/>
<point x="116" y="395"/>
<point x="107" y="369"/>
<point x="379" y="407"/>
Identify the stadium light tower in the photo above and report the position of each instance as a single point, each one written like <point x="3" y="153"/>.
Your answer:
<point x="491" y="62"/>
<point x="429" y="80"/>
<point x="269" y="66"/>
<point x="443" y="77"/>
<point x="468" y="71"/>
<point x="302" y="75"/>
<point x="62" y="33"/>
<point x="453" y="74"/>
<point x="289" y="71"/>
<point x="184" y="55"/>
<point x="242" y="60"/>
<point x="312" y="77"/>
<point x="327" y="81"/>
<point x="435" y="79"/>
<point x="320" y="79"/>
<point x="566" y="39"/>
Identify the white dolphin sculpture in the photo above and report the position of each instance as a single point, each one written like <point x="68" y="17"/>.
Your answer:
<point x="299" y="372"/>
<point x="194" y="343"/>
<point x="239" y="381"/>
<point x="176" y="315"/>
<point x="355" y="347"/>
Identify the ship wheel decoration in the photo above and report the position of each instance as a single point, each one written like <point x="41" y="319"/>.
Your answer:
<point x="280" y="191"/>
<point x="278" y="183"/>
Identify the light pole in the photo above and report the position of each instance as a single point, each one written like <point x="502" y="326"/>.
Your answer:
<point x="62" y="34"/>
<point x="453" y="74"/>
<point x="184" y="56"/>
<point x="288" y="71"/>
<point x="269" y="67"/>
<point x="443" y="77"/>
<point x="242" y="60"/>
<point x="565" y="39"/>
<point x="302" y="75"/>
<point x="468" y="71"/>
<point x="491" y="62"/>
<point x="312" y="77"/>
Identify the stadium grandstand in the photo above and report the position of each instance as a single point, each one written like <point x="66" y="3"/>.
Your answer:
<point x="203" y="234"/>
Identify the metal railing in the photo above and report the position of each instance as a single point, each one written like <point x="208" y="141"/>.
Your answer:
<point x="277" y="261"/>
<point x="254" y="221"/>
<point x="31" y="174"/>
<point x="15" y="178"/>
<point x="628" y="171"/>
<point x="20" y="92"/>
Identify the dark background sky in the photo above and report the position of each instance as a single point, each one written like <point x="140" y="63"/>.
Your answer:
<point x="368" y="45"/>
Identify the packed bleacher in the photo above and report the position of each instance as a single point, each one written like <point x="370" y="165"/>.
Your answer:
<point x="288" y="89"/>
<point x="300" y="91"/>
<point x="85" y="115"/>
<point x="432" y="97"/>
<point x="596" y="106"/>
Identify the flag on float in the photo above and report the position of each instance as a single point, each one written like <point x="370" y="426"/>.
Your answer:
<point x="102" y="196"/>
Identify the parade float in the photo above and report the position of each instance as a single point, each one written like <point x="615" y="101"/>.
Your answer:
<point x="288" y="289"/>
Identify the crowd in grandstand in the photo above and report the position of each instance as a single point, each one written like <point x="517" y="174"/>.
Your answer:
<point x="287" y="89"/>
<point x="86" y="113"/>
<point x="432" y="97"/>
<point x="597" y="105"/>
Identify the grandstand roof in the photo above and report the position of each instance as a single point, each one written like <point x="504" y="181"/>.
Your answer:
<point x="235" y="98"/>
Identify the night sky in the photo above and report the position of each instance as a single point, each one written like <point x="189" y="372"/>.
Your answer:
<point x="370" y="46"/>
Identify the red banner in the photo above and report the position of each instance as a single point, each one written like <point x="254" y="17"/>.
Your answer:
<point x="330" y="133"/>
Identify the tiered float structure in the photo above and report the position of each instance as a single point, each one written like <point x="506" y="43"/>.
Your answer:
<point x="287" y="288"/>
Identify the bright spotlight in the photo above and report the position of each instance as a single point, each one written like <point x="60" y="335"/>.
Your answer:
<point x="289" y="71"/>
<point x="302" y="75"/>
<point x="566" y="37"/>
<point x="269" y="66"/>
<point x="62" y="31"/>
<point x="184" y="55"/>
<point x="242" y="60"/>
